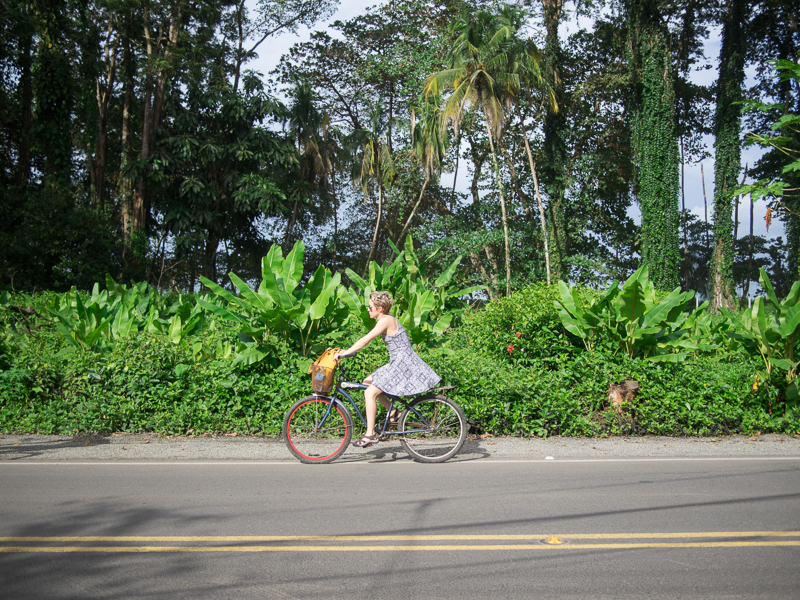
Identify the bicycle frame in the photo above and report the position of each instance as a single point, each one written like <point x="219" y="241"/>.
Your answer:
<point x="340" y="389"/>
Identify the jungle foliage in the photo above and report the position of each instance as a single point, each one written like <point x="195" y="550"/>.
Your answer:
<point x="136" y="141"/>
<point x="127" y="359"/>
<point x="137" y="146"/>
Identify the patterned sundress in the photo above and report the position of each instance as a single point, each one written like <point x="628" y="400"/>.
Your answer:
<point x="406" y="373"/>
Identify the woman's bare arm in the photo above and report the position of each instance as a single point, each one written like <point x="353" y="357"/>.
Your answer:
<point x="381" y="327"/>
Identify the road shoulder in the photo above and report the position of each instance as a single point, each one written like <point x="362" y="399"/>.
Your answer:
<point x="144" y="447"/>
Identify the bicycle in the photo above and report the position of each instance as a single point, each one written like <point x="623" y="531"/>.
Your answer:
<point x="431" y="427"/>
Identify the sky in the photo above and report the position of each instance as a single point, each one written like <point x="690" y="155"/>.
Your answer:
<point x="270" y="55"/>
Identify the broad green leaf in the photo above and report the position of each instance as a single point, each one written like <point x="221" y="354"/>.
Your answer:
<point x="218" y="310"/>
<point x="375" y="284"/>
<point x="317" y="283"/>
<point x="640" y="332"/>
<point x="218" y="290"/>
<point x="630" y="302"/>
<point x="318" y="308"/>
<point x="393" y="247"/>
<point x="252" y="355"/>
<point x="356" y="279"/>
<point x="272" y="262"/>
<point x="254" y="299"/>
<point x="445" y="277"/>
<point x="783" y="363"/>
<point x="763" y="279"/>
<point x="659" y="313"/>
<point x="793" y="297"/>
<point x="790" y="321"/>
<point x="569" y="302"/>
<point x="293" y="266"/>
<point x="570" y="324"/>
<point x="175" y="333"/>
<point x="276" y="292"/>
<point x="442" y="324"/>
<point x="792" y="395"/>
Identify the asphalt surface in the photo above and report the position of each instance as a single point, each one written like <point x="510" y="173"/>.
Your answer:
<point x="136" y="516"/>
<point x="234" y="447"/>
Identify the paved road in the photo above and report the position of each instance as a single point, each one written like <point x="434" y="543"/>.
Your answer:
<point x="383" y="527"/>
<point x="132" y="447"/>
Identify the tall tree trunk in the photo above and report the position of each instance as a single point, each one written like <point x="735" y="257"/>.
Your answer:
<point x="289" y="227"/>
<point x="489" y="277"/>
<point x="240" y="54"/>
<point x="335" y="218"/>
<point x="502" y="203"/>
<point x="683" y="223"/>
<point x="377" y="227"/>
<point x="414" y="210"/>
<point x="210" y="257"/>
<point x="103" y="94"/>
<point x="655" y="142"/>
<point x="455" y="172"/>
<point x="539" y="201"/>
<point x="705" y="202"/>
<point x="750" y="257"/>
<point x="125" y="187"/>
<point x="727" y="145"/>
<point x="156" y="84"/>
<point x="554" y="170"/>
<point x="522" y="196"/>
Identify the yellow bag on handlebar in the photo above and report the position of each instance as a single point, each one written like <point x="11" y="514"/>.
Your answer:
<point x="322" y="372"/>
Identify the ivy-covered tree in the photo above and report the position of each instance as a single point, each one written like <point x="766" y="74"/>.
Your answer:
<point x="655" y="140"/>
<point x="727" y="144"/>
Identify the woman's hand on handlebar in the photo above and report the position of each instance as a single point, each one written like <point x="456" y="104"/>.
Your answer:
<point x="338" y="356"/>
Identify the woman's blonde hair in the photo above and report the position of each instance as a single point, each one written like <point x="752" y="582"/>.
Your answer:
<point x="382" y="300"/>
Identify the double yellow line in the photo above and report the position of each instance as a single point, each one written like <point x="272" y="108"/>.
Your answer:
<point x="383" y="543"/>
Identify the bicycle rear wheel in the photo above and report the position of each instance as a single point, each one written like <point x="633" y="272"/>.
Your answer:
<point x="311" y="440"/>
<point x="442" y="425"/>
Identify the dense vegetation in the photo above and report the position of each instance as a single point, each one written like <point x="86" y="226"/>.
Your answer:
<point x="136" y="142"/>
<point x="137" y="146"/>
<point x="127" y="359"/>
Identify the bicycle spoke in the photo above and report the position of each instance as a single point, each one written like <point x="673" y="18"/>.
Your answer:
<point x="314" y="437"/>
<point x="442" y="425"/>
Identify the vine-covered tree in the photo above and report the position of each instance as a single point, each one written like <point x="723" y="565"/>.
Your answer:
<point x="655" y="140"/>
<point x="727" y="163"/>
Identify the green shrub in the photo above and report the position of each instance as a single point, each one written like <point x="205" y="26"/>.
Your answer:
<point x="523" y="328"/>
<point x="150" y="383"/>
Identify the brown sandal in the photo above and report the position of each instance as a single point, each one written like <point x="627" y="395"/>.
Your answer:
<point x="394" y="417"/>
<point x="366" y="441"/>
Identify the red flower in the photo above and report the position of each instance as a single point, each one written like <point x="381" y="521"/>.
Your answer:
<point x="519" y="335"/>
<point x="510" y="349"/>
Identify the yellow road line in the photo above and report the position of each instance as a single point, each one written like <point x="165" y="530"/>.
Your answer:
<point x="396" y="538"/>
<point x="451" y="548"/>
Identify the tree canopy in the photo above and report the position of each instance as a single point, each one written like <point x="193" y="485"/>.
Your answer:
<point x="540" y="140"/>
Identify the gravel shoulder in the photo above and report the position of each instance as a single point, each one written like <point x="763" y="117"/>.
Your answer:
<point x="143" y="447"/>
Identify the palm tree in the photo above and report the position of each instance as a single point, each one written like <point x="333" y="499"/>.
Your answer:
<point x="484" y="68"/>
<point x="317" y="145"/>
<point x="372" y="162"/>
<point x="305" y="122"/>
<point x="530" y="59"/>
<point x="429" y="143"/>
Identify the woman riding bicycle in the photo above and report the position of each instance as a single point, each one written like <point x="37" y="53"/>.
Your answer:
<point x="405" y="374"/>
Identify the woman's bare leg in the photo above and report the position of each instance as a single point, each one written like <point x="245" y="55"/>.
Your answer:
<point x="373" y="395"/>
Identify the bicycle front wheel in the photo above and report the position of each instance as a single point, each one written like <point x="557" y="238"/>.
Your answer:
<point x="313" y="437"/>
<point x="439" y="429"/>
